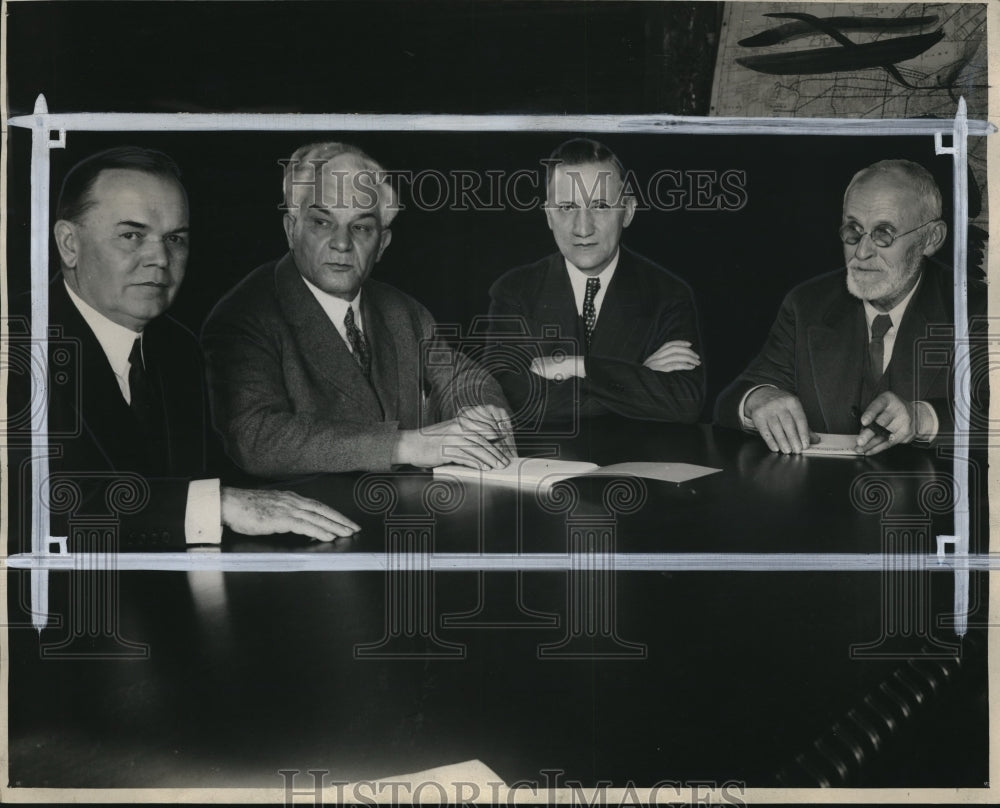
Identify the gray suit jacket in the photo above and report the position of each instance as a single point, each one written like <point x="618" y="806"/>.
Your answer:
<point x="288" y="396"/>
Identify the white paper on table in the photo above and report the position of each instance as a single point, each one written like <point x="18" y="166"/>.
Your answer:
<point x="833" y="446"/>
<point x="668" y="472"/>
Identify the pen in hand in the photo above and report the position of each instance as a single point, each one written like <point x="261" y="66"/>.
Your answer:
<point x="874" y="426"/>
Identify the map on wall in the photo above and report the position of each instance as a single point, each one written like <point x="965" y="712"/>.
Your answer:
<point x="831" y="60"/>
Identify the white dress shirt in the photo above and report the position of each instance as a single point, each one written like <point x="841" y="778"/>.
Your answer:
<point x="336" y="309"/>
<point x="203" y="509"/>
<point x="578" y="280"/>
<point x="888" y="342"/>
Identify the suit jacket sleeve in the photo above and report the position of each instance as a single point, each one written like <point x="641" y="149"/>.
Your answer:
<point x="459" y="382"/>
<point x="263" y="429"/>
<point x="507" y="316"/>
<point x="635" y="391"/>
<point x="774" y="365"/>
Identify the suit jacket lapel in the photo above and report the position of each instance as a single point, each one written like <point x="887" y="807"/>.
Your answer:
<point x="556" y="305"/>
<point x="323" y="349"/>
<point x="620" y="322"/>
<point x="925" y="308"/>
<point x="385" y="368"/>
<point x="836" y="356"/>
<point x="100" y="410"/>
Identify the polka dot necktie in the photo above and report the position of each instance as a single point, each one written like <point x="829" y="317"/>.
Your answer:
<point x="876" y="347"/>
<point x="359" y="345"/>
<point x="589" y="312"/>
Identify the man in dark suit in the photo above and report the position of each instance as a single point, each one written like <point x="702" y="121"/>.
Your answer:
<point x="843" y="355"/>
<point x="134" y="401"/>
<point x="313" y="367"/>
<point x="631" y="325"/>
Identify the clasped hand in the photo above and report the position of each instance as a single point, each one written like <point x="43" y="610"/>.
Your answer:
<point x="672" y="355"/>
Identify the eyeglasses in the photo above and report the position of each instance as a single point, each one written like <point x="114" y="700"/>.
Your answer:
<point x="882" y="234"/>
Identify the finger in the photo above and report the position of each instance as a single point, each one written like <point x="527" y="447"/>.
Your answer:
<point x="472" y="454"/>
<point x="801" y="424"/>
<point x="765" y="432"/>
<point x="670" y="367"/>
<point x="791" y="427"/>
<point x="675" y="353"/>
<point x="878" y="404"/>
<point x="777" y="427"/>
<point x="325" y="511"/>
<point x="876" y="445"/>
<point x="488" y="455"/>
<point x="675" y="343"/>
<point x="813" y="438"/>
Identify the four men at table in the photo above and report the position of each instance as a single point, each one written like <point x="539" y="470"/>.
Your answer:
<point x="314" y="367"/>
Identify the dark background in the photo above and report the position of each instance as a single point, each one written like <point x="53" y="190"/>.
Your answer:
<point x="613" y="58"/>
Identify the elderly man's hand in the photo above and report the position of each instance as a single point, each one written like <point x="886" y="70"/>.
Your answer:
<point x="492" y="422"/>
<point x="887" y="421"/>
<point x="673" y="355"/>
<point x="260" y="513"/>
<point x="476" y="438"/>
<point x="558" y="368"/>
<point x="779" y="418"/>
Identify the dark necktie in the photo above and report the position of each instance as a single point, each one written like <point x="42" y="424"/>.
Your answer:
<point x="589" y="312"/>
<point x="876" y="347"/>
<point x="139" y="389"/>
<point x="359" y="345"/>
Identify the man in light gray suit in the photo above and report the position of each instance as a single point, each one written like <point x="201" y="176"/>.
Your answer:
<point x="313" y="367"/>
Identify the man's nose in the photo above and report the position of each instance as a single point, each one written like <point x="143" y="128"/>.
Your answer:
<point x="865" y="248"/>
<point x="340" y="239"/>
<point x="583" y="222"/>
<point x="155" y="253"/>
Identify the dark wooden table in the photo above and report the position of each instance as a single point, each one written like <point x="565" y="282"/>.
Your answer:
<point x="763" y="677"/>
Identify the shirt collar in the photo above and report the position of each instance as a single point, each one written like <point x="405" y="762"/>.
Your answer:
<point x="576" y="274"/>
<point x="116" y="340"/>
<point x="896" y="312"/>
<point x="336" y="307"/>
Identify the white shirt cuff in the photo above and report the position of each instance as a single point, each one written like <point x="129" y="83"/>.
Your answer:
<point x="747" y="423"/>
<point x="203" y="515"/>
<point x="931" y="421"/>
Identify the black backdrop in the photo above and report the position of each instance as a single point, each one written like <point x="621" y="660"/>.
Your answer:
<point x="439" y="57"/>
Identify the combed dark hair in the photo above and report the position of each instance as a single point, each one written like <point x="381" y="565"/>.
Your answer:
<point x="75" y="198"/>
<point x="578" y="152"/>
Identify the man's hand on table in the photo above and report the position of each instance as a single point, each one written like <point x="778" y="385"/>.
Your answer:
<point x="479" y="437"/>
<point x="779" y="418"/>
<point x="260" y="513"/>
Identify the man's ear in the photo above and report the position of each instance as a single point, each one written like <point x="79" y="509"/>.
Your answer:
<point x="383" y="241"/>
<point x="289" y="224"/>
<point x="938" y="232"/>
<point x="630" y="204"/>
<point x="66" y="240"/>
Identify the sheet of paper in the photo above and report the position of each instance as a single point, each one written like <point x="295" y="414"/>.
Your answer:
<point x="668" y="472"/>
<point x="523" y="471"/>
<point x="833" y="446"/>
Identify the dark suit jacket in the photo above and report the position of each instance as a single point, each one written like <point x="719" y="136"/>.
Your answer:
<point x="96" y="435"/>
<point x="288" y="396"/>
<point x="644" y="307"/>
<point x="817" y="346"/>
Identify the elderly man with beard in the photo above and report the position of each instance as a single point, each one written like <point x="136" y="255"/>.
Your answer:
<point x="842" y="354"/>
